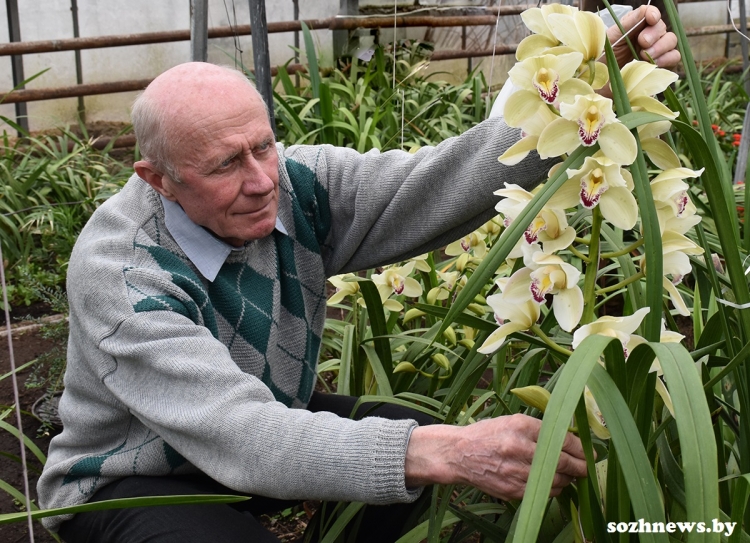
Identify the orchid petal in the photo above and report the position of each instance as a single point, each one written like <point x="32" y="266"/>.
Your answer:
<point x="618" y="144"/>
<point x="560" y="137"/>
<point x="661" y="390"/>
<point x="619" y="207"/>
<point x="676" y="297"/>
<point x="521" y="105"/>
<point x="563" y="241"/>
<point x="568" y="307"/>
<point x="496" y="338"/>
<point x="646" y="103"/>
<point x="660" y="153"/>
<point x="518" y="151"/>
<point x="534" y="45"/>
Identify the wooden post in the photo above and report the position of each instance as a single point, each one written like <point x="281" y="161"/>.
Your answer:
<point x="199" y="30"/>
<point x="14" y="31"/>
<point x="261" y="56"/>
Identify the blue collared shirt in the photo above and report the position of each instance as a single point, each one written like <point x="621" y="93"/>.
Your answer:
<point x="207" y="252"/>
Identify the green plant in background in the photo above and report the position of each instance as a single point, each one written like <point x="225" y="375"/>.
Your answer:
<point x="595" y="278"/>
<point x="360" y="107"/>
<point x="49" y="187"/>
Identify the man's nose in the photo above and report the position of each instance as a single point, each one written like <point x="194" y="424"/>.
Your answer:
<point x="255" y="180"/>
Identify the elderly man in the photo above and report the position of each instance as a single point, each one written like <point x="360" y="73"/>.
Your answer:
<point x="197" y="303"/>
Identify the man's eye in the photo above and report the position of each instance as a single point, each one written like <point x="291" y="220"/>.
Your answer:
<point x="225" y="164"/>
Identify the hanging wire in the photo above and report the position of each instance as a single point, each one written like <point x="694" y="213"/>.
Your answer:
<point x="16" y="397"/>
<point x="492" y="66"/>
<point x="235" y="35"/>
<point x="395" y="15"/>
<point x="731" y="20"/>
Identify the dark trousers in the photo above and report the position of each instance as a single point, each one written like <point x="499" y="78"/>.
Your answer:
<point x="227" y="523"/>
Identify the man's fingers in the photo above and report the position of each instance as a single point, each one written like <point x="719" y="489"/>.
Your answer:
<point x="571" y="466"/>
<point x="572" y="446"/>
<point x="651" y="35"/>
<point x="669" y="60"/>
<point x="561" y="480"/>
<point x="666" y="44"/>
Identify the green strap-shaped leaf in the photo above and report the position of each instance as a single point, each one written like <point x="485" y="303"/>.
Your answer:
<point x="344" y="518"/>
<point x="379" y="326"/>
<point x="560" y="409"/>
<point x="697" y="447"/>
<point x="122" y="503"/>
<point x="27" y="441"/>
<point x="644" y="494"/>
<point x="739" y="503"/>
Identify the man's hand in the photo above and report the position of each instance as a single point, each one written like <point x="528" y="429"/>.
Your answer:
<point x="650" y="38"/>
<point x="492" y="455"/>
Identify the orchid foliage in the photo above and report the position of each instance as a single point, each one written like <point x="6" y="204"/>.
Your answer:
<point x="585" y="291"/>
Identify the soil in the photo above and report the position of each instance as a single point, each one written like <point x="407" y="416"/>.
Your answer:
<point x="26" y="347"/>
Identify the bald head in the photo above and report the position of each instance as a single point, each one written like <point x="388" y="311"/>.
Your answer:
<point x="164" y="114"/>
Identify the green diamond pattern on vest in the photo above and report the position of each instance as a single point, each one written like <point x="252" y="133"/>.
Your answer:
<point x="290" y="288"/>
<point x="312" y="199"/>
<point x="245" y="299"/>
<point x="197" y="307"/>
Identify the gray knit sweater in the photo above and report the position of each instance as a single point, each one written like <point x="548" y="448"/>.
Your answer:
<point x="170" y="373"/>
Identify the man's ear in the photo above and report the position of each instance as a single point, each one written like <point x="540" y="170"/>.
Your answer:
<point x="154" y="177"/>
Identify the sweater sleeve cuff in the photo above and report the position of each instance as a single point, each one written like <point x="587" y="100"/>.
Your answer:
<point x="389" y="480"/>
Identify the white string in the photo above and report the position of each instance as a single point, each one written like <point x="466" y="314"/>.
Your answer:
<point x="636" y="25"/>
<point x="731" y="20"/>
<point x="395" y="15"/>
<point x="492" y="66"/>
<point x="402" y="118"/>
<point x="16" y="398"/>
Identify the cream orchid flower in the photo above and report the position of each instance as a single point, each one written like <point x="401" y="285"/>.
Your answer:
<point x="396" y="280"/>
<point x="587" y="121"/>
<point x="604" y="183"/>
<point x="616" y="327"/>
<point x="344" y="288"/>
<point x="550" y="226"/>
<point x="535" y="20"/>
<point x="543" y="81"/>
<point x="515" y="306"/>
<point x="681" y="224"/>
<point x="474" y="243"/>
<point x="585" y="33"/>
<point x="550" y="274"/>
<point x="669" y="189"/>
<point x="420" y="263"/>
<point x="594" y="415"/>
<point x="441" y="292"/>
<point x="657" y="150"/>
<point x="676" y="263"/>
<point x="642" y="81"/>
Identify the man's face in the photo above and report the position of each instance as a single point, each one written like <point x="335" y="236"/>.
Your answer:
<point x="227" y="162"/>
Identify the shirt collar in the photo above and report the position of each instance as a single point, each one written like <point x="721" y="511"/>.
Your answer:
<point x="207" y="252"/>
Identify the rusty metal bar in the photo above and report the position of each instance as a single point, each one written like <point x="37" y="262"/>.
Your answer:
<point x="332" y="23"/>
<point x="708" y="30"/>
<point x="33" y="95"/>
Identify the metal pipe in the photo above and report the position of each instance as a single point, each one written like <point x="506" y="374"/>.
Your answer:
<point x="262" y="56"/>
<point x="743" y="44"/>
<point x="199" y="30"/>
<point x="79" y="67"/>
<point x="31" y="95"/>
<point x="332" y="23"/>
<point x="14" y="33"/>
